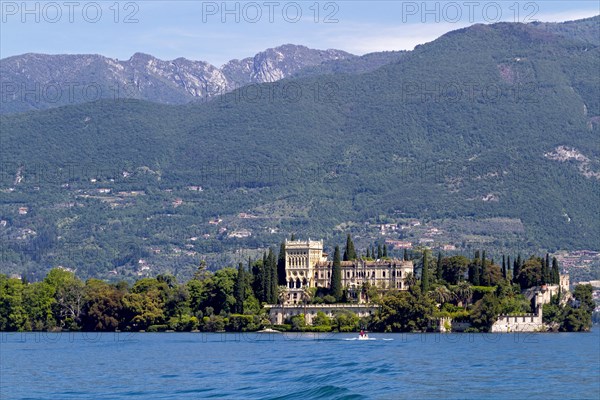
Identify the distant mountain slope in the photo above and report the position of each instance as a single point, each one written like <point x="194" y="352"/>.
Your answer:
<point x="83" y="78"/>
<point x="40" y="81"/>
<point x="490" y="121"/>
<point x="586" y="30"/>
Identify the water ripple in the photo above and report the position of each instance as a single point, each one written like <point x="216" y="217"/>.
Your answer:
<point x="163" y="366"/>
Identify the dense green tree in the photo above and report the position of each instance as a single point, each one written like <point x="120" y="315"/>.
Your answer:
<point x="385" y="251"/>
<point x="336" y="275"/>
<point x="493" y="275"/>
<point x="103" y="309"/>
<point x="346" y="321"/>
<point x="379" y="252"/>
<point x="38" y="301"/>
<point x="167" y="279"/>
<point x="368" y="253"/>
<point x="530" y="273"/>
<point x="144" y="306"/>
<point x="405" y="255"/>
<point x="485" y="312"/>
<point x="583" y="294"/>
<point x="12" y="311"/>
<point x="454" y="268"/>
<point x="404" y="311"/>
<point x="322" y="320"/>
<point x="578" y="317"/>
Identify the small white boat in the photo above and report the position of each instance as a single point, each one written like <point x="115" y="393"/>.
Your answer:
<point x="363" y="335"/>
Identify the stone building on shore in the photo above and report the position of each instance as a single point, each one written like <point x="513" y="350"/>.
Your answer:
<point x="306" y="266"/>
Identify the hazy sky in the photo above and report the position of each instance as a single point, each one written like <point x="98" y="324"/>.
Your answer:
<point x="217" y="31"/>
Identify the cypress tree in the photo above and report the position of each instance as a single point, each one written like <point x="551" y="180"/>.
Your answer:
<point x="425" y="273"/>
<point x="379" y="252"/>
<point x="281" y="279"/>
<point x="544" y="271"/>
<point x="336" y="275"/>
<point x="503" y="266"/>
<point x="349" y="251"/>
<point x="258" y="284"/>
<point x="555" y="272"/>
<point x="368" y="253"/>
<point x="273" y="280"/>
<point x="405" y="255"/>
<point x="249" y="278"/>
<point x="484" y="278"/>
<point x="474" y="276"/>
<point x="517" y="269"/>
<point x="439" y="267"/>
<point x="293" y="237"/>
<point x="385" y="253"/>
<point x="548" y="278"/>
<point x="239" y="289"/>
<point x="508" y="268"/>
<point x="266" y="279"/>
<point x="474" y="273"/>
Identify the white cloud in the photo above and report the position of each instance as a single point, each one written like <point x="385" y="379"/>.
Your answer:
<point x="568" y="15"/>
<point x="367" y="38"/>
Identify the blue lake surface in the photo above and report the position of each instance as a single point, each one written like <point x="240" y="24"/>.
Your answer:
<point x="299" y="366"/>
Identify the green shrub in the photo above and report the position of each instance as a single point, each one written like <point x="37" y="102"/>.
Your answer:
<point x="157" y="328"/>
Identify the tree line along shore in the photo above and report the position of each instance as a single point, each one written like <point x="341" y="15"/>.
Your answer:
<point x="475" y="290"/>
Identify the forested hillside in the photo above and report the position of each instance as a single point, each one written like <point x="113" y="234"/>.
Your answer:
<point x="488" y="121"/>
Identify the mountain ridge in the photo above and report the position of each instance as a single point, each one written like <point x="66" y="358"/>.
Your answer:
<point x="35" y="81"/>
<point x="143" y="76"/>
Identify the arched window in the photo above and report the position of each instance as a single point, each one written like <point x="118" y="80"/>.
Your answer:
<point x="298" y="284"/>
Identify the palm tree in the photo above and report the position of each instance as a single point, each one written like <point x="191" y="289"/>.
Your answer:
<point x="463" y="293"/>
<point x="306" y="296"/>
<point x="281" y="298"/>
<point x="410" y="279"/>
<point x="441" y="294"/>
<point x="282" y="294"/>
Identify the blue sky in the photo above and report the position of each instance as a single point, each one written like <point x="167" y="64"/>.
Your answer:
<point x="217" y="31"/>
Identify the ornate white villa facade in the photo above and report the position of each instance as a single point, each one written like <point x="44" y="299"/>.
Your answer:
<point x="306" y="266"/>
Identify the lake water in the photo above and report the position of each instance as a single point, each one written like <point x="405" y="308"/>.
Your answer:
<point x="299" y="366"/>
